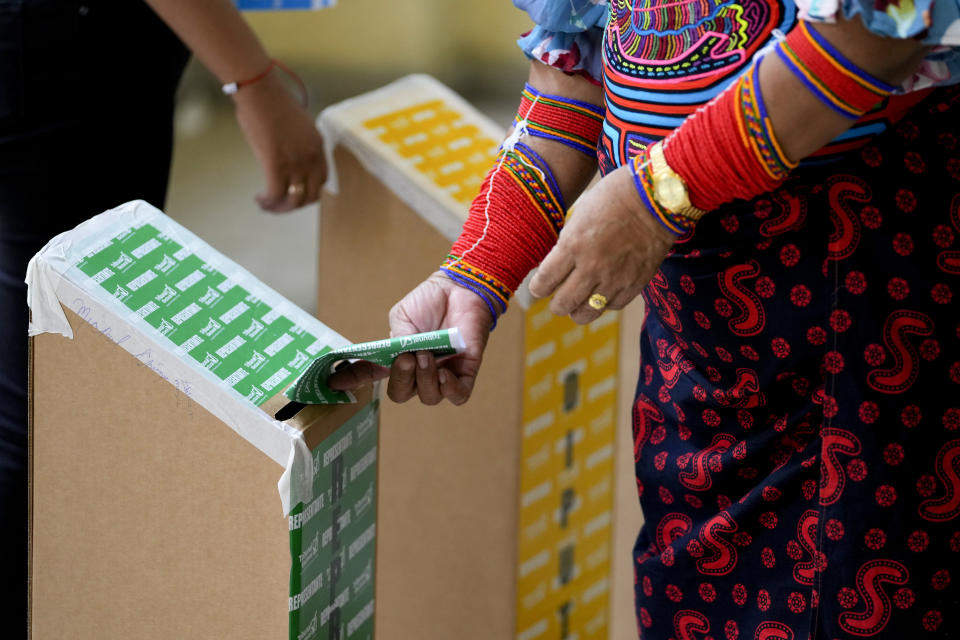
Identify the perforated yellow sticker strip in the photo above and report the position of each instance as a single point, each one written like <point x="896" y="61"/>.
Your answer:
<point x="443" y="146"/>
<point x="566" y="498"/>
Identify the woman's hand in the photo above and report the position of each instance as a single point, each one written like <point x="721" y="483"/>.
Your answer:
<point x="437" y="303"/>
<point x="285" y="142"/>
<point x="280" y="131"/>
<point x="611" y="245"/>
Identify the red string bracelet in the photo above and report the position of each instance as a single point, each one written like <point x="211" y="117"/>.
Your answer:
<point x="231" y="88"/>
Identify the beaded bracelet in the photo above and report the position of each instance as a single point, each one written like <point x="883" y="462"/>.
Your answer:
<point x="756" y="130"/>
<point x="729" y="144"/>
<point x="641" y="169"/>
<point x="831" y="77"/>
<point x="516" y="218"/>
<point x="512" y="225"/>
<point x="571" y="122"/>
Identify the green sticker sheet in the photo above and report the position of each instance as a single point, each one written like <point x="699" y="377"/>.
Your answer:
<point x="333" y="538"/>
<point x="242" y="340"/>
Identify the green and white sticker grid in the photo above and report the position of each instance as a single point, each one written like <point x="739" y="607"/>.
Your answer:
<point x="333" y="537"/>
<point x="311" y="387"/>
<point x="245" y="342"/>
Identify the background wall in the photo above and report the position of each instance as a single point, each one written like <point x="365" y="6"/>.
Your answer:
<point x="455" y="41"/>
<point x="354" y="47"/>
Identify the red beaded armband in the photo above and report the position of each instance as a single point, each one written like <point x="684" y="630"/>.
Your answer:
<point x="727" y="150"/>
<point x="574" y="123"/>
<point x="512" y="225"/>
<point x="831" y="77"/>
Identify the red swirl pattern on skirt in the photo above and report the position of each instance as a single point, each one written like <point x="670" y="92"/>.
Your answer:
<point x="797" y="417"/>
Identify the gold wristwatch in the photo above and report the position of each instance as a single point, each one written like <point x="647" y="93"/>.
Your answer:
<point x="669" y="189"/>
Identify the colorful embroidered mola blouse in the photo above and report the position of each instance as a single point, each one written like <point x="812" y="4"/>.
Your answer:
<point x="568" y="33"/>
<point x="660" y="60"/>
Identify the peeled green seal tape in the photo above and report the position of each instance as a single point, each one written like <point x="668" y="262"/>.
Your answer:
<point x="311" y="387"/>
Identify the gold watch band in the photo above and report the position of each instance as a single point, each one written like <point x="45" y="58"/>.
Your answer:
<point x="669" y="188"/>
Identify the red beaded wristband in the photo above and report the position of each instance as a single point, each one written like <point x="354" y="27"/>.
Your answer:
<point x="515" y="219"/>
<point x="573" y="123"/>
<point x="724" y="151"/>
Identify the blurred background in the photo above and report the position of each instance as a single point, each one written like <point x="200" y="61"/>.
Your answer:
<point x="351" y="48"/>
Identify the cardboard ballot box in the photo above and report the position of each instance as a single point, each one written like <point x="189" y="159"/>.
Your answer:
<point x="156" y="370"/>
<point x="514" y="515"/>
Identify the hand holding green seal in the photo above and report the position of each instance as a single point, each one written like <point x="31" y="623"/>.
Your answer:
<point x="311" y="387"/>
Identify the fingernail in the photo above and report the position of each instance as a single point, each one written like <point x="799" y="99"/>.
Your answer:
<point x="442" y="374"/>
<point x="423" y="360"/>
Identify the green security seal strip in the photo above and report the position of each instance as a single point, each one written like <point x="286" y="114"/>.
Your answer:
<point x="311" y="387"/>
<point x="333" y="537"/>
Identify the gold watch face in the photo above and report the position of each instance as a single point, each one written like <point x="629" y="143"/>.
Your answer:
<point x="671" y="192"/>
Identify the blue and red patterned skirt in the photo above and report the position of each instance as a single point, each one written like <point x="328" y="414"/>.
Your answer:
<point x="797" y="417"/>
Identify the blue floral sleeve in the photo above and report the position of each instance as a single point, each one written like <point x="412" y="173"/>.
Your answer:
<point x="568" y="34"/>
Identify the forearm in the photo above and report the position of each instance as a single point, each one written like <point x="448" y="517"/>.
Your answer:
<point x="808" y="89"/>
<point x="740" y="145"/>
<point x="803" y="124"/>
<point x="543" y="165"/>
<point x="572" y="169"/>
<point x="217" y="34"/>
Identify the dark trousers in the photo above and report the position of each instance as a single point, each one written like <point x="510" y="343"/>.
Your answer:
<point x="86" y="105"/>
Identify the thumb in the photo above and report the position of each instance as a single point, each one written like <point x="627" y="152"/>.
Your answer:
<point x="271" y="199"/>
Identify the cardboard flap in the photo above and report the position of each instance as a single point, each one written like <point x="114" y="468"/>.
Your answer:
<point x="423" y="141"/>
